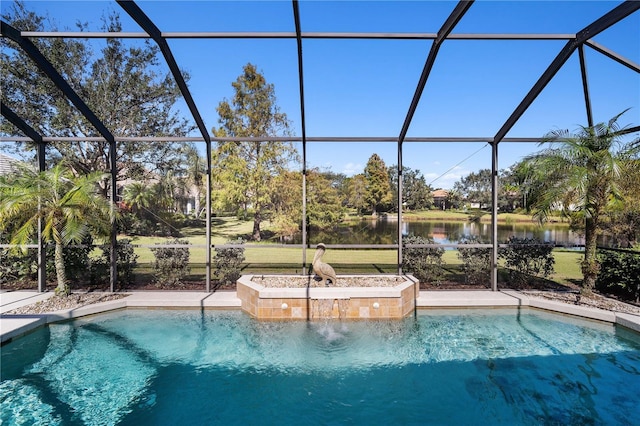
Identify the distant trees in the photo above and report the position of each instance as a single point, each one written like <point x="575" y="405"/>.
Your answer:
<point x="246" y="171"/>
<point x="377" y="185"/>
<point x="286" y="217"/>
<point x="356" y="196"/>
<point x="376" y="189"/>
<point x="324" y="205"/>
<point x="138" y="196"/>
<point x="416" y="194"/>
<point x="476" y="187"/>
<point x="517" y="188"/>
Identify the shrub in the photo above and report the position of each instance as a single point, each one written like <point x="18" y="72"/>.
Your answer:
<point x="476" y="262"/>
<point x="228" y="262"/>
<point x="425" y="263"/>
<point x="526" y="258"/>
<point x="77" y="263"/>
<point x="15" y="266"/>
<point x="131" y="224"/>
<point x="619" y="274"/>
<point x="171" y="264"/>
<point x="160" y="226"/>
<point x="126" y="261"/>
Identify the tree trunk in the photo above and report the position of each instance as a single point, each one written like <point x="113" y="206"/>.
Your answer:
<point x="196" y="203"/>
<point x="257" y="218"/>
<point x="590" y="264"/>
<point x="62" y="289"/>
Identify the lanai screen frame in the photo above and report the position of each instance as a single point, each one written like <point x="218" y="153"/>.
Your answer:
<point x="574" y="42"/>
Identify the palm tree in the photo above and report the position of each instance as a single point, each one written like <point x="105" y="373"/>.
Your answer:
<point x="454" y="198"/>
<point x="68" y="206"/>
<point x="195" y="176"/>
<point x="579" y="174"/>
<point x="138" y="196"/>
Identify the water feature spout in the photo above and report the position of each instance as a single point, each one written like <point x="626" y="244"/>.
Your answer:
<point x="343" y="308"/>
<point x="326" y="309"/>
<point x="321" y="308"/>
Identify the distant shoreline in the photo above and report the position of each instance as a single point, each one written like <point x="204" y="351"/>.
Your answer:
<point x="456" y="217"/>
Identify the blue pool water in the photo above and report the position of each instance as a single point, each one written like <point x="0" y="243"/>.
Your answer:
<point x="491" y="367"/>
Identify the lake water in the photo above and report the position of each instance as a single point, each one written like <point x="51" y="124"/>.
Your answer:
<point x="385" y="232"/>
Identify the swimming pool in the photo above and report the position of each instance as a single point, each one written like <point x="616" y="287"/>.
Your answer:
<point x="169" y="367"/>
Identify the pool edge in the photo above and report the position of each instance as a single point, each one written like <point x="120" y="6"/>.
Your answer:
<point x="15" y="326"/>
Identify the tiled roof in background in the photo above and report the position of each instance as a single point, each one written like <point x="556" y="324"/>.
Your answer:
<point x="7" y="164"/>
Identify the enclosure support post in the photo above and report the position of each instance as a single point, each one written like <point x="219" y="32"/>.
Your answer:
<point x="399" y="207"/>
<point x="296" y="17"/>
<point x="113" y="277"/>
<point x="208" y="218"/>
<point x="585" y="85"/>
<point x="304" y="211"/>
<point x="42" y="253"/>
<point x="494" y="215"/>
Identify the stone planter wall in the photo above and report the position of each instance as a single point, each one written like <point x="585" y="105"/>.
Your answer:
<point x="316" y="303"/>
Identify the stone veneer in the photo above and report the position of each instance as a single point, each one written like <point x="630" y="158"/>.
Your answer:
<point x="328" y="302"/>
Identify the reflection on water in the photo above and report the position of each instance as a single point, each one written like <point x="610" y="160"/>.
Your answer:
<point x="385" y="232"/>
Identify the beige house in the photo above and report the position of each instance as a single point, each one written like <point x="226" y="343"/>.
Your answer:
<point x="440" y="198"/>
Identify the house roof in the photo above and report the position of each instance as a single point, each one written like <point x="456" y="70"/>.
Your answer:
<point x="440" y="193"/>
<point x="7" y="164"/>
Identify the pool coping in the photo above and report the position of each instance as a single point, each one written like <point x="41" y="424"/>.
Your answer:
<point x="14" y="326"/>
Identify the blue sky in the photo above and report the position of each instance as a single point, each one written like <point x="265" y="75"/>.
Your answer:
<point x="364" y="87"/>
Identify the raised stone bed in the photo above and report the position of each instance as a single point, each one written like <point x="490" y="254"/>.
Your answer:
<point x="365" y="297"/>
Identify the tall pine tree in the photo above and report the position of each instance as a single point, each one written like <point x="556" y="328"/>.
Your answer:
<point x="378" y="187"/>
<point x="245" y="170"/>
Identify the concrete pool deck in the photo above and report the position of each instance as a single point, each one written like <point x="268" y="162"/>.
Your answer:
<point x="12" y="326"/>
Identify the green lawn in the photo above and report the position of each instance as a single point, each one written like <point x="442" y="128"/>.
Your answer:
<point x="223" y="229"/>
<point x="567" y="267"/>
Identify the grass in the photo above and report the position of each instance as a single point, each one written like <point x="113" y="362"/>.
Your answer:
<point x="567" y="266"/>
<point x="223" y="229"/>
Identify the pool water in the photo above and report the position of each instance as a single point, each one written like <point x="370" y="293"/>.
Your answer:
<point x="187" y="367"/>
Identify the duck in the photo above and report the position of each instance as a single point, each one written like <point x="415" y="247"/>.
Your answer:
<point x="323" y="270"/>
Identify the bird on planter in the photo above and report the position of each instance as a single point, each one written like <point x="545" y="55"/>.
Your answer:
<point x="323" y="270"/>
